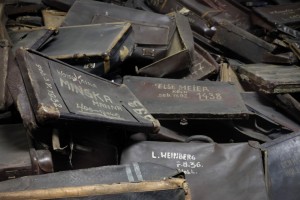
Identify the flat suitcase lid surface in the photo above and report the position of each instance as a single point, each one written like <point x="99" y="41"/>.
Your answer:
<point x="59" y="91"/>
<point x="145" y="23"/>
<point x="288" y="14"/>
<point x="283" y="166"/>
<point x="86" y="40"/>
<point x="272" y="78"/>
<point x="172" y="98"/>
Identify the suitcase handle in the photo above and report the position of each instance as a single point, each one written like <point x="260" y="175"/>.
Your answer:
<point x="199" y="138"/>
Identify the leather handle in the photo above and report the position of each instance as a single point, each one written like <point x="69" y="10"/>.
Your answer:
<point x="199" y="138"/>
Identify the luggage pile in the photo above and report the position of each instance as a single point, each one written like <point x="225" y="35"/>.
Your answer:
<point x="150" y="99"/>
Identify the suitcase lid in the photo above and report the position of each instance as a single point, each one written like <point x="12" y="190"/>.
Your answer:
<point x="271" y="78"/>
<point x="288" y="14"/>
<point x="282" y="166"/>
<point x="177" y="99"/>
<point x="75" y="41"/>
<point x="58" y="91"/>
<point x="95" y="12"/>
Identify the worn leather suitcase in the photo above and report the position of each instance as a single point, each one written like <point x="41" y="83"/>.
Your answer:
<point x="271" y="78"/>
<point x="178" y="99"/>
<point x="142" y="22"/>
<point x="282" y="166"/>
<point x="213" y="171"/>
<point x="159" y="49"/>
<point x="97" y="45"/>
<point x="180" y="55"/>
<point x="59" y="92"/>
<point x="204" y="65"/>
<point x="18" y="156"/>
<point x="136" y="181"/>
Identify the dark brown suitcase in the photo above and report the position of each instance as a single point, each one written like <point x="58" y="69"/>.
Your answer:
<point x="288" y="14"/>
<point x="59" y="92"/>
<point x="96" y="45"/>
<point x="178" y="99"/>
<point x="158" y="39"/>
<point x="267" y="78"/>
<point x="204" y="65"/>
<point x="180" y="55"/>
<point x="18" y="156"/>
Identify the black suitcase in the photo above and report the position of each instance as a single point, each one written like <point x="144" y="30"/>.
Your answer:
<point x="95" y="47"/>
<point x="213" y="171"/>
<point x="282" y="163"/>
<point x="136" y="181"/>
<point x="59" y="92"/>
<point x="163" y="44"/>
<point x="266" y="78"/>
<point x="18" y="156"/>
<point x="188" y="99"/>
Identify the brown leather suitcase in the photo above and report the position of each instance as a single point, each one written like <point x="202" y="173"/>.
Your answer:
<point x="173" y="99"/>
<point x="18" y="156"/>
<point x="271" y="79"/>
<point x="60" y="93"/>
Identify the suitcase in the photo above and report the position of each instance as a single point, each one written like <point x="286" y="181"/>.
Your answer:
<point x="18" y="156"/>
<point x="213" y="171"/>
<point x="282" y="167"/>
<point x="59" y="93"/>
<point x="135" y="181"/>
<point x="155" y="38"/>
<point x="180" y="55"/>
<point x="74" y="45"/>
<point x="186" y="99"/>
<point x="280" y="14"/>
<point x="204" y="65"/>
<point x="271" y="78"/>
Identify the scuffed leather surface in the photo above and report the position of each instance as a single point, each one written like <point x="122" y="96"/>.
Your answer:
<point x="226" y="171"/>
